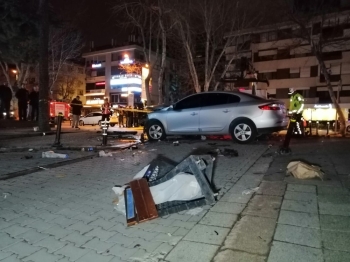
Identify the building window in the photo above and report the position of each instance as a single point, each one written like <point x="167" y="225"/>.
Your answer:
<point x="282" y="73"/>
<point x="294" y="73"/>
<point x="314" y="71"/>
<point x="332" y="55"/>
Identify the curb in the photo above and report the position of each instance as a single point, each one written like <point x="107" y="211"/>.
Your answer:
<point x="41" y="168"/>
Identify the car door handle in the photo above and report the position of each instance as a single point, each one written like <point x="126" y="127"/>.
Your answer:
<point x="194" y="113"/>
<point x="226" y="111"/>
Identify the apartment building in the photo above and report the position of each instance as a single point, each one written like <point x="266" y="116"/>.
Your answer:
<point x="273" y="56"/>
<point x="106" y="77"/>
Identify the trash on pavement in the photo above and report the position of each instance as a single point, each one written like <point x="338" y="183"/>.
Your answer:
<point x="30" y="149"/>
<point x="36" y="129"/>
<point x="302" y="170"/>
<point x="28" y="157"/>
<point x="250" y="191"/>
<point x="203" y="137"/>
<point x="104" y="154"/>
<point x="6" y="195"/>
<point x="52" y="154"/>
<point x="151" y="194"/>
<point x="176" y="143"/>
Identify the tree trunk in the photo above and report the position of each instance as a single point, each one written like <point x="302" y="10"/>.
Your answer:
<point x="44" y="67"/>
<point x="331" y="94"/>
<point x="147" y="84"/>
<point x="162" y="65"/>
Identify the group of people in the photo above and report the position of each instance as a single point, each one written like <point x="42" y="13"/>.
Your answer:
<point x="131" y="118"/>
<point x="28" y="102"/>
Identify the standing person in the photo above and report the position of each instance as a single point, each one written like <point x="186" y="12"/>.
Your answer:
<point x="34" y="103"/>
<point x="22" y="96"/>
<point x="5" y="100"/>
<point x="76" y="105"/>
<point x="121" y="118"/>
<point x="106" y="111"/>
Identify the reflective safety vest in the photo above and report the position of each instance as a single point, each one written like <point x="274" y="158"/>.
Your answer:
<point x="296" y="102"/>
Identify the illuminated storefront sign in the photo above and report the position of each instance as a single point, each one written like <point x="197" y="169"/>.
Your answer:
<point x="131" y="89"/>
<point x="100" y="83"/>
<point x="96" y="65"/>
<point x="323" y="106"/>
<point x="126" y="60"/>
<point x="128" y="79"/>
<point x="95" y="102"/>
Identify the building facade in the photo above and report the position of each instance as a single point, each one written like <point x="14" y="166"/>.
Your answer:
<point x="274" y="56"/>
<point x="108" y="76"/>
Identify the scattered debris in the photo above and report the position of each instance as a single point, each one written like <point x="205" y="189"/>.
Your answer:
<point x="203" y="137"/>
<point x="216" y="232"/>
<point x="212" y="144"/>
<point x="229" y="152"/>
<point x="52" y="154"/>
<point x="137" y="245"/>
<point x="5" y="195"/>
<point x="250" y="191"/>
<point x="186" y="186"/>
<point x="153" y="149"/>
<point x="176" y="143"/>
<point x="103" y="154"/>
<point x="36" y="129"/>
<point x="43" y="168"/>
<point x="169" y="234"/>
<point x="303" y="170"/>
<point x="28" y="157"/>
<point x="61" y="175"/>
<point x="30" y="150"/>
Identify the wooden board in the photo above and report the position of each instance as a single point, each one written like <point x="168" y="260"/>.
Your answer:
<point x="144" y="204"/>
<point x="131" y="218"/>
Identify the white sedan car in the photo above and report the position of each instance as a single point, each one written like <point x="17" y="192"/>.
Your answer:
<point x="93" y="118"/>
<point x="242" y="115"/>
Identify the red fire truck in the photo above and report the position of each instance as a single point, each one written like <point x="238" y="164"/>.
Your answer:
<point x="59" y="107"/>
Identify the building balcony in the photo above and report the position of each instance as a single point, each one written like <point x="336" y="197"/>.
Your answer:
<point x="93" y="79"/>
<point x="294" y="82"/>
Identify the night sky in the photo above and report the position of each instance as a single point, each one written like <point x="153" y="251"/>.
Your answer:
<point x="94" y="18"/>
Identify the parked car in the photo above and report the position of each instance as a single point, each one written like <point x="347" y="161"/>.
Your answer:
<point x="241" y="115"/>
<point x="93" y="118"/>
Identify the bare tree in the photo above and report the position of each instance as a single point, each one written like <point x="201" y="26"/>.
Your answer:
<point x="65" y="45"/>
<point x="134" y="68"/>
<point x="67" y="85"/>
<point x="319" y="25"/>
<point x="204" y="28"/>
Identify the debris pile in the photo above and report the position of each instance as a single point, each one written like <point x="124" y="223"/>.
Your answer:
<point x="150" y="194"/>
<point x="303" y="170"/>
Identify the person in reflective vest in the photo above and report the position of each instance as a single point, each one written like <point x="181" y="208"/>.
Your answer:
<point x="296" y="107"/>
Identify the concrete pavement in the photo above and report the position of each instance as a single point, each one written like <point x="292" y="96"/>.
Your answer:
<point x="66" y="213"/>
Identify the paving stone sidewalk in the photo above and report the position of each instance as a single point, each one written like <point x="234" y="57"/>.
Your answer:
<point x="296" y="220"/>
<point x="66" y="213"/>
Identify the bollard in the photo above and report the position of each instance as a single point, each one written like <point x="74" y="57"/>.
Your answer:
<point x="327" y="128"/>
<point x="317" y="128"/>
<point x="104" y="125"/>
<point x="310" y="127"/>
<point x="58" y="130"/>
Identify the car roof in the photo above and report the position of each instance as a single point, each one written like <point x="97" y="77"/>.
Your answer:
<point x="242" y="95"/>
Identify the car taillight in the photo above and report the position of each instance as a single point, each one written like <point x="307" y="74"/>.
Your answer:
<point x="270" y="107"/>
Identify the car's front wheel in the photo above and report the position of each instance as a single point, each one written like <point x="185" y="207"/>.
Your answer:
<point x="112" y="125"/>
<point x="155" y="130"/>
<point x="81" y="123"/>
<point x="243" y="131"/>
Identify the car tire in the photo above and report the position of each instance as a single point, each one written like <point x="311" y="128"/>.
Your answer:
<point x="348" y="129"/>
<point x="155" y="130"/>
<point x="112" y="125"/>
<point x="243" y="131"/>
<point x="81" y="122"/>
<point x="99" y="123"/>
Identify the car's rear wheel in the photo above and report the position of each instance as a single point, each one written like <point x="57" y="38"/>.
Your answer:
<point x="81" y="123"/>
<point x="112" y="125"/>
<point x="155" y="130"/>
<point x="243" y="131"/>
<point x="348" y="129"/>
<point x="99" y="123"/>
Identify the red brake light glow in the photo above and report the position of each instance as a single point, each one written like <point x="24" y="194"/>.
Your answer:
<point x="273" y="107"/>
